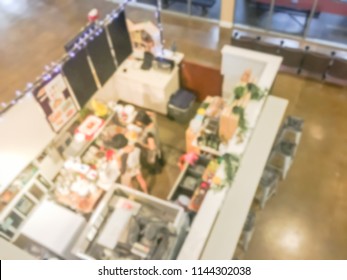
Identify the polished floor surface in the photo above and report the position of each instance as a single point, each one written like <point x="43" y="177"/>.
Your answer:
<point x="323" y="26"/>
<point x="307" y="217"/>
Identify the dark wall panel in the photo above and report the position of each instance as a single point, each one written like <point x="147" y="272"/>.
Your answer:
<point x="100" y="53"/>
<point x="70" y="45"/>
<point x="120" y="37"/>
<point x="80" y="77"/>
<point x="200" y="79"/>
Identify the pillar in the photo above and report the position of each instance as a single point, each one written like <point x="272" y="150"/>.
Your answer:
<point x="227" y="8"/>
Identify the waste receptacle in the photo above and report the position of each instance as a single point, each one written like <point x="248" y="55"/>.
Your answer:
<point x="180" y="106"/>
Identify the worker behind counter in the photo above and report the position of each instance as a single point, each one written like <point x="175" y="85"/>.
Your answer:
<point x="152" y="157"/>
<point x="128" y="156"/>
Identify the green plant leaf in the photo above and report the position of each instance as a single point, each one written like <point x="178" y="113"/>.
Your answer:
<point x="238" y="110"/>
<point x="231" y="163"/>
<point x="256" y="92"/>
<point x="239" y="92"/>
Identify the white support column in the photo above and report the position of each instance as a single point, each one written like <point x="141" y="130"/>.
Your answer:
<point x="227" y="8"/>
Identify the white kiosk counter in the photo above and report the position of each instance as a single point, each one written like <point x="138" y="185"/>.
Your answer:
<point x="218" y="224"/>
<point x="55" y="228"/>
<point x="222" y="242"/>
<point x="149" y="89"/>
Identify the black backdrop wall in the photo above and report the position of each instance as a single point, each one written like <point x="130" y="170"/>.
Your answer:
<point x="100" y="54"/>
<point x="80" y="77"/>
<point x="120" y="37"/>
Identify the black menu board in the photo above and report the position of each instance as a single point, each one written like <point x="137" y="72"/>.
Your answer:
<point x="100" y="53"/>
<point x="120" y="37"/>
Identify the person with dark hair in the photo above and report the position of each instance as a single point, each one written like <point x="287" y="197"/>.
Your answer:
<point x="118" y="141"/>
<point x="129" y="161"/>
<point x="131" y="168"/>
<point x="143" y="118"/>
<point x="149" y="141"/>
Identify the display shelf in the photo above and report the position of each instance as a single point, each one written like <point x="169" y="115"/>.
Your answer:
<point x="264" y="67"/>
<point x="206" y="240"/>
<point x="49" y="163"/>
<point x="190" y="180"/>
<point x="24" y="206"/>
<point x="177" y="182"/>
<point x="205" y="233"/>
<point x="80" y="150"/>
<point x="234" y="145"/>
<point x="24" y="179"/>
<point x="24" y="134"/>
<point x="233" y="213"/>
<point x="69" y="196"/>
<point x="201" y="226"/>
<point x="33" y="192"/>
<point x="5" y="236"/>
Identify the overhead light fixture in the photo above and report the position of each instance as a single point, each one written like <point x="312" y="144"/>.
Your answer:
<point x="57" y="68"/>
<point x="47" y="77"/>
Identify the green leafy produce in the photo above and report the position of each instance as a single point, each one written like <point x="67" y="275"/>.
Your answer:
<point x="256" y="92"/>
<point x="231" y="164"/>
<point x="239" y="92"/>
<point x="238" y="110"/>
<point x="204" y="105"/>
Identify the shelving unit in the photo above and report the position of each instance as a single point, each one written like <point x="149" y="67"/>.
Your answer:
<point x="31" y="187"/>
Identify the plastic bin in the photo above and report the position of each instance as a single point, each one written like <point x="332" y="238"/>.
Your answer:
<point x="180" y="106"/>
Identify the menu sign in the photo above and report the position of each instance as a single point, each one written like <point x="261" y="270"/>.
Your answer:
<point x="56" y="101"/>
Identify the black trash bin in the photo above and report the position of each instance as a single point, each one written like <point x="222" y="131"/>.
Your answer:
<point x="180" y="106"/>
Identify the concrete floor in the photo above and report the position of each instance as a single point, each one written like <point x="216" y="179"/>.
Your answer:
<point x="306" y="219"/>
<point x="325" y="26"/>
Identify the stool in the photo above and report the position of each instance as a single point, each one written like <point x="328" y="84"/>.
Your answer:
<point x="180" y="106"/>
<point x="281" y="157"/>
<point x="247" y="231"/>
<point x="291" y="130"/>
<point x="268" y="185"/>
